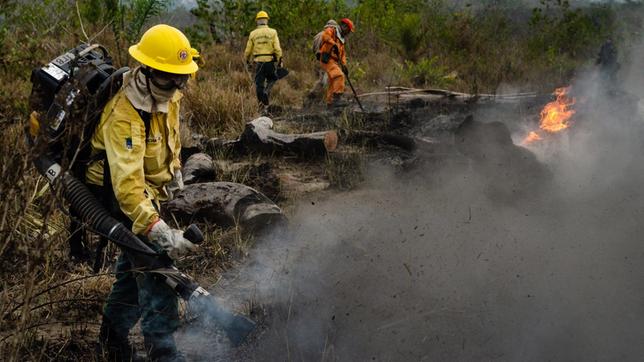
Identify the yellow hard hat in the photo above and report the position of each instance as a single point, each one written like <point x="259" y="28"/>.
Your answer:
<point x="165" y="48"/>
<point x="261" y="15"/>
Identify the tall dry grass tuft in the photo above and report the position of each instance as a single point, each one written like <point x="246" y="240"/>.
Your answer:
<point x="32" y="232"/>
<point x="215" y="107"/>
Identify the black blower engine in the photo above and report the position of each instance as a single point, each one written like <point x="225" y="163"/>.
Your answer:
<point x="85" y="75"/>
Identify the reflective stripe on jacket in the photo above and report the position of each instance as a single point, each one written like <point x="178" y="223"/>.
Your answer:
<point x="262" y="44"/>
<point x="329" y="39"/>
<point x="139" y="167"/>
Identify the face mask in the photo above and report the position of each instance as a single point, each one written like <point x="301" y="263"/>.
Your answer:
<point x="168" y="81"/>
<point x="153" y="99"/>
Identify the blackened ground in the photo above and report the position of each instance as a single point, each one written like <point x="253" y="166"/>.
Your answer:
<point x="483" y="255"/>
<point x="427" y="265"/>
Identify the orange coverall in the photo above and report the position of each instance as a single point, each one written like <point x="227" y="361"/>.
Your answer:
<point x="332" y="68"/>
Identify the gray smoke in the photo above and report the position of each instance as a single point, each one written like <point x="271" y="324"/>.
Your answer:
<point x="433" y="264"/>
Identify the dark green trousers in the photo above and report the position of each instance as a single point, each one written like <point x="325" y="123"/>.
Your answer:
<point x="137" y="295"/>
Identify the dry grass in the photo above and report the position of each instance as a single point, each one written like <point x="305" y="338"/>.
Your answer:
<point x="214" y="110"/>
<point x="36" y="289"/>
<point x="222" y="99"/>
<point x="345" y="170"/>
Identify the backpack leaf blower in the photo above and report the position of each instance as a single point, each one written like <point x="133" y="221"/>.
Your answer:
<point x="80" y="80"/>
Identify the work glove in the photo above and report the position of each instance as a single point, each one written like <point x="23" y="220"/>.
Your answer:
<point x="325" y="57"/>
<point x="280" y="63"/>
<point x="175" y="185"/>
<point x="345" y="70"/>
<point x="170" y="240"/>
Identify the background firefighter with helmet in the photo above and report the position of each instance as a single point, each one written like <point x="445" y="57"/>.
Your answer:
<point x="319" y="87"/>
<point x="263" y="49"/>
<point x="333" y="60"/>
<point x="138" y="136"/>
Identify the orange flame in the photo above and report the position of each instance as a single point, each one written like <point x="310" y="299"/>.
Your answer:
<point x="531" y="137"/>
<point x="555" y="116"/>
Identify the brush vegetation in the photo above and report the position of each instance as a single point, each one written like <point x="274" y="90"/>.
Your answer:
<point x="49" y="308"/>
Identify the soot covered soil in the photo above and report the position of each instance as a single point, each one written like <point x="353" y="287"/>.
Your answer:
<point x="431" y="265"/>
<point x="498" y="254"/>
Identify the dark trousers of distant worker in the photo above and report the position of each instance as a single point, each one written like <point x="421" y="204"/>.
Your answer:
<point x="265" y="77"/>
<point x="137" y="295"/>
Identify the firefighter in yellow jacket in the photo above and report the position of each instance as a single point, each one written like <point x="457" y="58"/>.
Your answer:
<point x="263" y="49"/>
<point x="138" y="138"/>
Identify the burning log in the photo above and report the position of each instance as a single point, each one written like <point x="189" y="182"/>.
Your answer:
<point x="226" y="204"/>
<point x="555" y="116"/>
<point x="260" y="137"/>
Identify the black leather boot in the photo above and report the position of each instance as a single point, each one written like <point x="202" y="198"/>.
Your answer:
<point x="114" y="347"/>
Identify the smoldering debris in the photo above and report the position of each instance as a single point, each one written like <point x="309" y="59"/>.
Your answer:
<point x="431" y="268"/>
<point x="428" y="265"/>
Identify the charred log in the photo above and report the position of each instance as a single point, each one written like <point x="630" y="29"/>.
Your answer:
<point x="373" y="139"/>
<point x="222" y="147"/>
<point x="509" y="170"/>
<point x="199" y="168"/>
<point x="475" y="134"/>
<point x="226" y="204"/>
<point x="260" y="176"/>
<point x="259" y="137"/>
<point x="187" y="151"/>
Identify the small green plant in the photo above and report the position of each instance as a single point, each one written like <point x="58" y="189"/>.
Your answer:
<point x="427" y="71"/>
<point x="349" y="122"/>
<point x="411" y="36"/>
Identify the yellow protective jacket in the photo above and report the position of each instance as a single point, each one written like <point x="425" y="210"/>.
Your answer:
<point x="139" y="167"/>
<point x="262" y="44"/>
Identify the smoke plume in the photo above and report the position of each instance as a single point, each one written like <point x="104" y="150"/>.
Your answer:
<point x="453" y="262"/>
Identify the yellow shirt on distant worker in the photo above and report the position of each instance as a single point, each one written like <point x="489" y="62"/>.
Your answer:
<point x="139" y="168"/>
<point x="262" y="44"/>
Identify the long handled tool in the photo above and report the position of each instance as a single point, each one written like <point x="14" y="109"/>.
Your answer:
<point x="346" y="74"/>
<point x="354" y="93"/>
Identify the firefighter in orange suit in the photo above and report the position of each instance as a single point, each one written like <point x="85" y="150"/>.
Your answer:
<point x="333" y="60"/>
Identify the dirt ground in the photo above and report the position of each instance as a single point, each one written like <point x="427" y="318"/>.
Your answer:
<point x="446" y="262"/>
